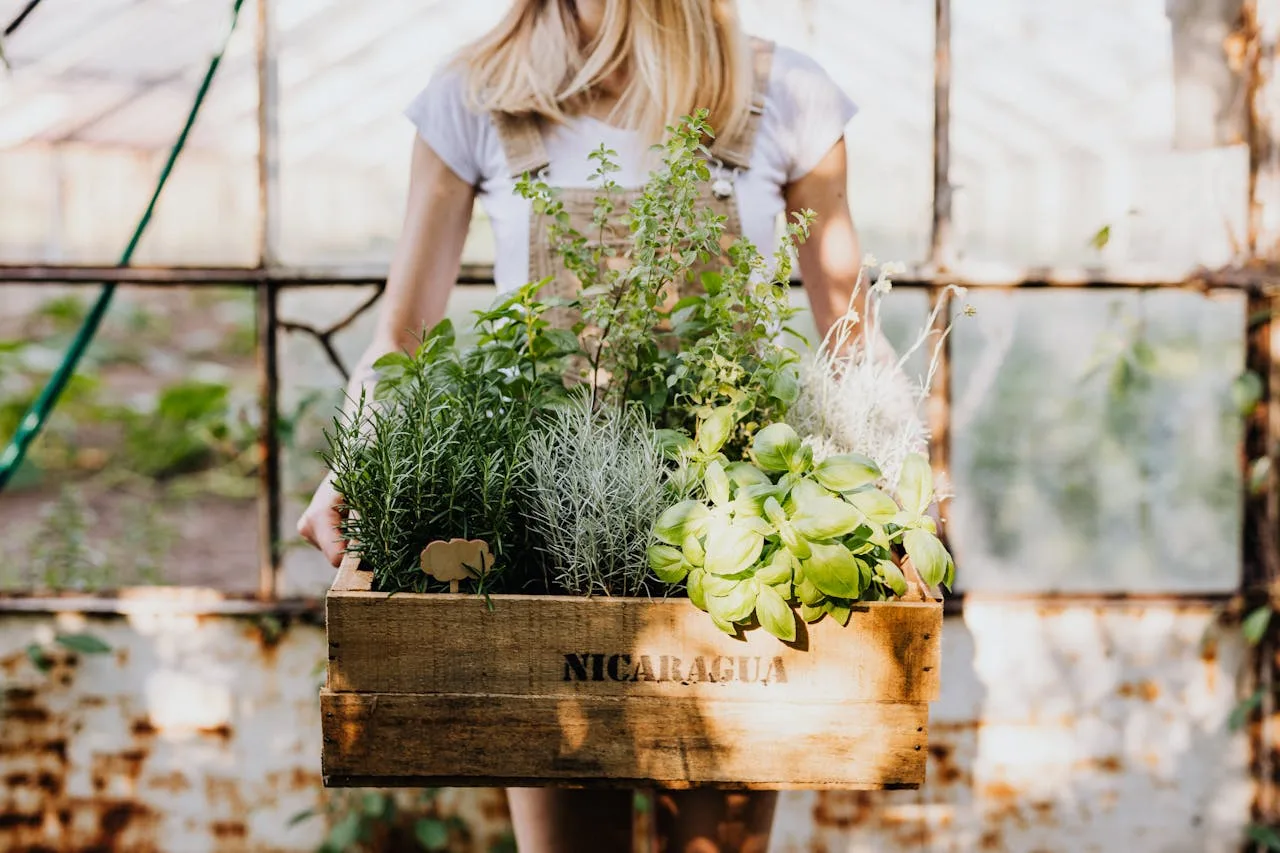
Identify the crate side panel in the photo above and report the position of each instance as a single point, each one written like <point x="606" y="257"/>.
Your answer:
<point x="486" y="740"/>
<point x="623" y="647"/>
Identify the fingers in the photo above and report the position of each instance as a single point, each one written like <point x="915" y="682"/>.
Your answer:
<point x="319" y="526"/>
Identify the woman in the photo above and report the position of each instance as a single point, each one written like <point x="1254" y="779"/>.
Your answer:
<point x="545" y="87"/>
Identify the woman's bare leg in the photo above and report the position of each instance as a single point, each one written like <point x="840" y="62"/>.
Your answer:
<point x="558" y="820"/>
<point x="709" y="821"/>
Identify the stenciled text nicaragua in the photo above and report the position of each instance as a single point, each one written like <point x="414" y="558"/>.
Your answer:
<point x="600" y="666"/>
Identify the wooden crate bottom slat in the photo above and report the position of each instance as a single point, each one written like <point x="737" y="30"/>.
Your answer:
<point x="487" y="740"/>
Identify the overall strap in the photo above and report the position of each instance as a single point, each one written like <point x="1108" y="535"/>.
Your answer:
<point x="521" y="139"/>
<point x="735" y="149"/>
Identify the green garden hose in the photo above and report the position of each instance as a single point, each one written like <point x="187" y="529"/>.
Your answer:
<point x="36" y="417"/>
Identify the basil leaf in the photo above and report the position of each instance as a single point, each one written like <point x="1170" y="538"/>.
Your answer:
<point x="714" y="431"/>
<point x="680" y="520"/>
<point x="743" y="474"/>
<point x="915" y="484"/>
<point x="839" y="611"/>
<point x="812" y="612"/>
<point x="736" y="605"/>
<point x="928" y="556"/>
<point x="892" y="577"/>
<point x="732" y="547"/>
<point x="777" y="570"/>
<point x="697" y="594"/>
<point x="833" y="570"/>
<point x="874" y="504"/>
<point x="846" y="472"/>
<point x="776" y="448"/>
<point x="825" y="518"/>
<point x="774" y="614"/>
<point x="668" y="563"/>
<point x="716" y="483"/>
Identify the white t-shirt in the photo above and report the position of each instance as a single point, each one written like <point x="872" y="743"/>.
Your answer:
<point x="804" y="116"/>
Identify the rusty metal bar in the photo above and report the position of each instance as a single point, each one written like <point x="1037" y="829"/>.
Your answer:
<point x="1260" y="545"/>
<point x="940" y="240"/>
<point x="217" y="276"/>
<point x="1245" y="278"/>
<point x="212" y="601"/>
<point x="1260" y="26"/>
<point x="166" y="600"/>
<point x="268" y="442"/>
<point x="938" y="411"/>
<point x="267" y="310"/>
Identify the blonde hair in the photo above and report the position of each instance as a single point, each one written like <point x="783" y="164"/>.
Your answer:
<point x="677" y="56"/>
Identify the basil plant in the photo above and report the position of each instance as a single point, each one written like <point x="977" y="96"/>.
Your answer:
<point x="779" y="533"/>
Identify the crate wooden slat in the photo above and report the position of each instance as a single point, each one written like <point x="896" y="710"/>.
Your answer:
<point x="580" y="740"/>
<point x="526" y="690"/>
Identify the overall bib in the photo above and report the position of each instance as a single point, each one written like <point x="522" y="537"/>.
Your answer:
<point x="522" y="145"/>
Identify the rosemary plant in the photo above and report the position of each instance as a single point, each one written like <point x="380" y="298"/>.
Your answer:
<point x="442" y="450"/>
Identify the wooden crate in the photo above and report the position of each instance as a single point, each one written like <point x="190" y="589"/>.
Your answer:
<point x="441" y="689"/>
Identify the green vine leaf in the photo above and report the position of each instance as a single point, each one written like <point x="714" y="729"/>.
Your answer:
<point x="1264" y="835"/>
<point x="86" y="644"/>
<point x="1254" y="627"/>
<point x="432" y="833"/>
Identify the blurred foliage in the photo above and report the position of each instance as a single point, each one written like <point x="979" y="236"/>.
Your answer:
<point x="370" y="821"/>
<point x="161" y="415"/>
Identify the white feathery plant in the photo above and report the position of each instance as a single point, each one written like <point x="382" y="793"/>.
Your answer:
<point x="598" y="485"/>
<point x="855" y="395"/>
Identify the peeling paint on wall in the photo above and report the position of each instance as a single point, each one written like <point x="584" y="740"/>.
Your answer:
<point x="196" y="733"/>
<point x="1061" y="727"/>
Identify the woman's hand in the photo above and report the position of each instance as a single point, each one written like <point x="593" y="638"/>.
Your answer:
<point x="423" y="270"/>
<point x="319" y="522"/>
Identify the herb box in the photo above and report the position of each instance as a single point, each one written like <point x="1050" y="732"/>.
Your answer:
<point x="513" y="690"/>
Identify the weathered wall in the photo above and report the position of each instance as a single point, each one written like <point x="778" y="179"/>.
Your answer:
<point x="1062" y="727"/>
<point x="195" y="733"/>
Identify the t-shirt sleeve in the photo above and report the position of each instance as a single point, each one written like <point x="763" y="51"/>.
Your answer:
<point x="813" y="110"/>
<point x="447" y="124"/>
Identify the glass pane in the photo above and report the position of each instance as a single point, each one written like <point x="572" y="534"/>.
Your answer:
<point x="97" y="95"/>
<point x="1096" y="443"/>
<point x="146" y="471"/>
<point x="311" y="389"/>
<point x="881" y="54"/>
<point x="343" y="171"/>
<point x="1050" y="149"/>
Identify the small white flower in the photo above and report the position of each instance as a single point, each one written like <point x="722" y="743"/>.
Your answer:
<point x="869" y="260"/>
<point x="892" y="268"/>
<point x="882" y="285"/>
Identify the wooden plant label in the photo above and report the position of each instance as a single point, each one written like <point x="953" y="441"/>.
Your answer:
<point x="456" y="560"/>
